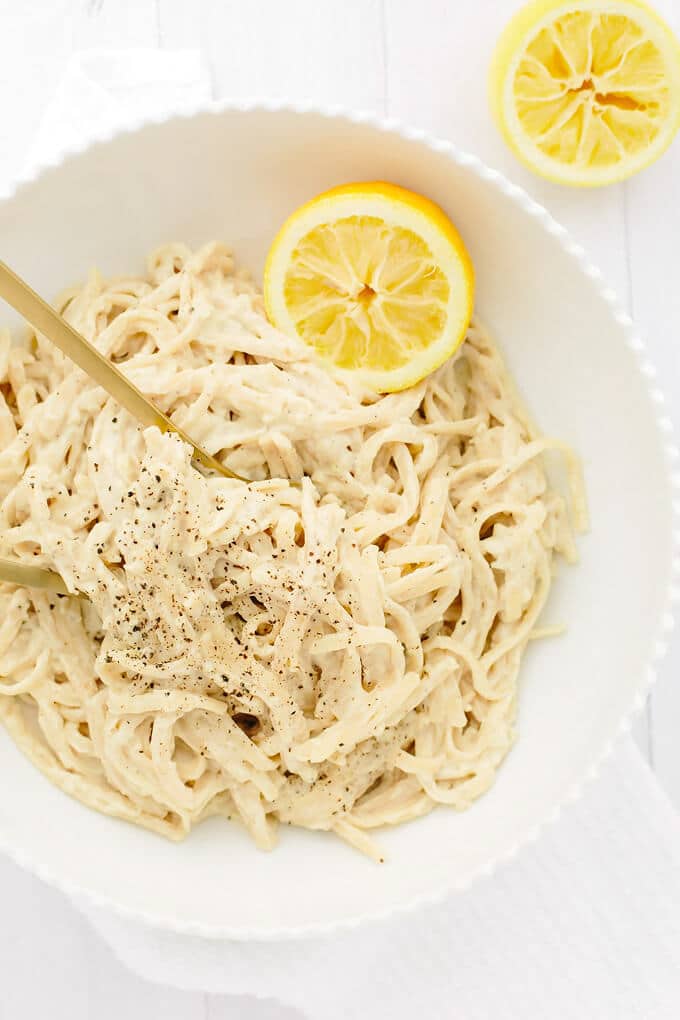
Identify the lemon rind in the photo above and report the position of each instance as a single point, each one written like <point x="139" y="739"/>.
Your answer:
<point x="510" y="49"/>
<point x="397" y="207"/>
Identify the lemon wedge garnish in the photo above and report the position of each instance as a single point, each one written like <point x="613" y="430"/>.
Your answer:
<point x="376" y="279"/>
<point x="587" y="92"/>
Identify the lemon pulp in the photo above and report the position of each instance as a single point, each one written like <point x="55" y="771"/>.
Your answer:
<point x="587" y="93"/>
<point x="376" y="279"/>
<point x="365" y="293"/>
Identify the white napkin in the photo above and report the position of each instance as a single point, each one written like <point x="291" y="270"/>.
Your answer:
<point x="584" y="925"/>
<point x="112" y="88"/>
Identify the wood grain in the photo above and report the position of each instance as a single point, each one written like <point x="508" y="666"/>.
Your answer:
<point x="316" y="52"/>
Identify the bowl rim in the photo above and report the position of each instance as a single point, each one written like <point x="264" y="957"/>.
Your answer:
<point x="168" y="922"/>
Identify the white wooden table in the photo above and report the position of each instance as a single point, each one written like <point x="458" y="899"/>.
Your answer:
<point x="424" y="62"/>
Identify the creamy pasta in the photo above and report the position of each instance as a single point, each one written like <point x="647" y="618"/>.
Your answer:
<point x="333" y="645"/>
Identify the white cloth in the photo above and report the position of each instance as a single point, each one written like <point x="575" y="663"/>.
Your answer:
<point x="583" y="924"/>
<point x="113" y="87"/>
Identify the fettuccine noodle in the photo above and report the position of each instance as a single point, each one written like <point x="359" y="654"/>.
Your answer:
<point x="336" y="644"/>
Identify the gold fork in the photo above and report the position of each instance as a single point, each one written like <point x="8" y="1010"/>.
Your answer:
<point x="45" y="320"/>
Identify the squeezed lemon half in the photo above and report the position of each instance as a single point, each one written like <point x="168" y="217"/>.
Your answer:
<point x="587" y="92"/>
<point x="376" y="279"/>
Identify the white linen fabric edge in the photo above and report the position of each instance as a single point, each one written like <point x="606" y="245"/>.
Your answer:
<point x="586" y="922"/>
<point x="583" y="923"/>
<point x="115" y="88"/>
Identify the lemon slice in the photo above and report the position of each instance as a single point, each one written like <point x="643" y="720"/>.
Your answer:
<point x="376" y="279"/>
<point x="587" y="92"/>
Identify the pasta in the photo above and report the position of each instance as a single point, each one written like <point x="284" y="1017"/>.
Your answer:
<point x="334" y="645"/>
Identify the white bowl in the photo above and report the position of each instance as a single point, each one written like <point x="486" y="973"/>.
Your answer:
<point x="235" y="173"/>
